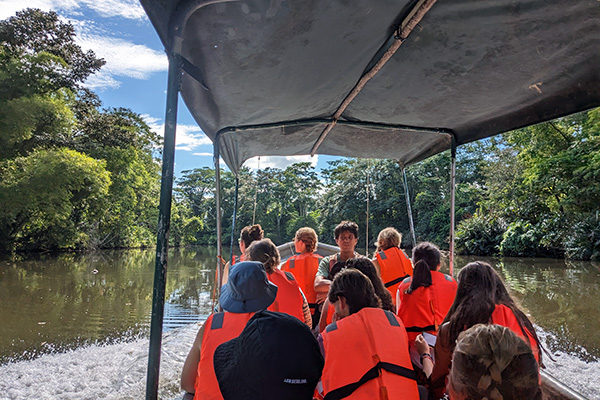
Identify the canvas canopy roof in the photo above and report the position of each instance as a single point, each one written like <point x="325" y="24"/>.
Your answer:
<point x="266" y="76"/>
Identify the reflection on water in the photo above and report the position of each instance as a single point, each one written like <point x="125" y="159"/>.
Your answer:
<point x="64" y="302"/>
<point x="97" y="306"/>
<point x="562" y="297"/>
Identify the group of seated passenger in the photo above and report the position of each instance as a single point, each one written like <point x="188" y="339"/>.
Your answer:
<point x="382" y="329"/>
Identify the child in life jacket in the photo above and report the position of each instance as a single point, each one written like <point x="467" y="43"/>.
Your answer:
<point x="424" y="299"/>
<point x="304" y="265"/>
<point x="290" y="299"/>
<point x="366" y="348"/>
<point x="390" y="260"/>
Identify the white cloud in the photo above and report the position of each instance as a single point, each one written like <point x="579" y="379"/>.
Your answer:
<point x="102" y="80"/>
<point x="8" y="8"/>
<point x="129" y="9"/>
<point x="187" y="137"/>
<point x="203" y="154"/>
<point x="122" y="58"/>
<point x="281" y="162"/>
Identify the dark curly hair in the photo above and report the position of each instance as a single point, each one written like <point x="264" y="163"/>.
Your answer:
<point x="251" y="233"/>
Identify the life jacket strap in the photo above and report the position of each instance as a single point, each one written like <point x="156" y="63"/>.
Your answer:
<point x="394" y="281"/>
<point x="421" y="328"/>
<point x="373" y="373"/>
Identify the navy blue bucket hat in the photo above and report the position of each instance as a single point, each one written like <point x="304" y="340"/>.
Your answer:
<point x="248" y="289"/>
<point x="276" y="357"/>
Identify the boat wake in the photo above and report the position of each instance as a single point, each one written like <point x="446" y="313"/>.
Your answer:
<point x="569" y="368"/>
<point x="110" y="371"/>
<point x="118" y="371"/>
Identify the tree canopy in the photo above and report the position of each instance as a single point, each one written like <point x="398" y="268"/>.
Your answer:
<point x="72" y="174"/>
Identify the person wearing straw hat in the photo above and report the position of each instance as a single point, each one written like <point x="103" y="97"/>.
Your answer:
<point x="247" y="291"/>
<point x="275" y="357"/>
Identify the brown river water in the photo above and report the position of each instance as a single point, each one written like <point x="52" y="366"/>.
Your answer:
<point x="75" y="326"/>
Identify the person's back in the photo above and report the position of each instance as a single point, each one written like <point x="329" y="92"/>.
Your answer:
<point x="247" y="291"/>
<point x="366" y="350"/>
<point x="219" y="328"/>
<point x="481" y="298"/>
<point x="275" y="357"/>
<point x="304" y="266"/>
<point x="368" y="344"/>
<point x="425" y="298"/>
<point x="289" y="298"/>
<point x="392" y="263"/>
<point x="424" y="309"/>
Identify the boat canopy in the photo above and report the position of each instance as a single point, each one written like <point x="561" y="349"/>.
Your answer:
<point x="271" y="77"/>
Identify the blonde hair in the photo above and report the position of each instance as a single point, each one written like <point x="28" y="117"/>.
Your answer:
<point x="388" y="238"/>
<point x="264" y="251"/>
<point x="492" y="362"/>
<point x="309" y="237"/>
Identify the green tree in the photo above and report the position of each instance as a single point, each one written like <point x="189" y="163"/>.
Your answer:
<point x="51" y="200"/>
<point x="45" y="113"/>
<point x="41" y="67"/>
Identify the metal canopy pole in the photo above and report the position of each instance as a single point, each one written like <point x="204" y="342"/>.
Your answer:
<point x="410" y="217"/>
<point x="235" y="206"/>
<point x="164" y="221"/>
<point x="216" y="157"/>
<point x="367" y="230"/>
<point x="452" y="204"/>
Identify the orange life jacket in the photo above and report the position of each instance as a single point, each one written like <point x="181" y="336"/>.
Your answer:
<point x="218" y="329"/>
<point x="366" y="357"/>
<point x="504" y="316"/>
<point x="239" y="259"/>
<point x="289" y="299"/>
<point x="394" y="267"/>
<point x="304" y="268"/>
<point x="330" y="312"/>
<point x="425" y="308"/>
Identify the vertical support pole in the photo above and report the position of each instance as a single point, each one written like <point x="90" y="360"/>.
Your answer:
<point x="216" y="159"/>
<point x="256" y="192"/>
<point x="410" y="216"/>
<point x="367" y="230"/>
<point x="452" y="204"/>
<point x="235" y="206"/>
<point x="164" y="221"/>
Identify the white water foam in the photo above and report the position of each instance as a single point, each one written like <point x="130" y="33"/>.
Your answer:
<point x="118" y="371"/>
<point x="579" y="375"/>
<point x="114" y="371"/>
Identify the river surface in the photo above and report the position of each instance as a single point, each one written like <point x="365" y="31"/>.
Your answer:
<point x="76" y="326"/>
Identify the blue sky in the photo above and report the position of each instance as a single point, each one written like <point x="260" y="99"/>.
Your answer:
<point x="135" y="74"/>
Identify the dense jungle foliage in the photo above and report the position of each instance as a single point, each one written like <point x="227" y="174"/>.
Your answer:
<point x="75" y="175"/>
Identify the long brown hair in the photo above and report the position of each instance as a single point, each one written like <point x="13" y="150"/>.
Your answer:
<point x="365" y="266"/>
<point x="479" y="290"/>
<point x="425" y="257"/>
